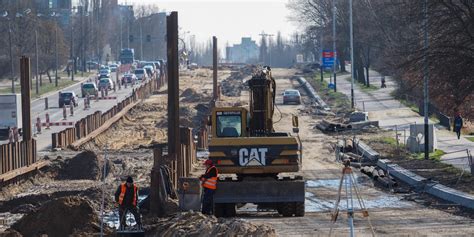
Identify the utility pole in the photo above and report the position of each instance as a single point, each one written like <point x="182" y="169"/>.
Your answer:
<point x="11" y="56"/>
<point x="83" y="42"/>
<point x="72" y="51"/>
<point x="141" y="40"/>
<point x="37" y="67"/>
<point x="321" y="69"/>
<point x="334" y="42"/>
<point x="352" y="53"/>
<point x="121" y="31"/>
<point x="425" y="77"/>
<point x="56" y="55"/>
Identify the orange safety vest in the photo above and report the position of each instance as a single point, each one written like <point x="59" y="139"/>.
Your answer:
<point x="210" y="183"/>
<point x="123" y="189"/>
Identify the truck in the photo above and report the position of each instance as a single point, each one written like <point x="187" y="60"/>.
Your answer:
<point x="127" y="56"/>
<point x="255" y="163"/>
<point x="10" y="113"/>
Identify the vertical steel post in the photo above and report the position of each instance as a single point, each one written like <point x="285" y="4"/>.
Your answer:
<point x="25" y="97"/>
<point x="214" y="68"/>
<point x="425" y="77"/>
<point x="352" y="53"/>
<point x="173" y="85"/>
<point x="334" y="42"/>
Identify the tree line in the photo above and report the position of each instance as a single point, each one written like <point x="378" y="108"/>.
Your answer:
<point x="389" y="37"/>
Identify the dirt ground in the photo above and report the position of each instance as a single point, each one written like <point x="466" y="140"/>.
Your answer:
<point x="125" y="146"/>
<point x="391" y="214"/>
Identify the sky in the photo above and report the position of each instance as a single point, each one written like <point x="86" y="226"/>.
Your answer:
<point x="229" y="20"/>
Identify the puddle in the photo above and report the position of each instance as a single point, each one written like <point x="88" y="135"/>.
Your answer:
<point x="111" y="218"/>
<point x="377" y="199"/>
<point x="202" y="154"/>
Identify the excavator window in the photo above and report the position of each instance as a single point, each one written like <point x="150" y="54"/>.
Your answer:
<point x="229" y="124"/>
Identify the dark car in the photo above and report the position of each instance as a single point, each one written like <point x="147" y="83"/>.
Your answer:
<point x="291" y="96"/>
<point x="67" y="98"/>
<point x="129" y="79"/>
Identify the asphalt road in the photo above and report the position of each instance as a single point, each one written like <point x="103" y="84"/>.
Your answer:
<point x="56" y="113"/>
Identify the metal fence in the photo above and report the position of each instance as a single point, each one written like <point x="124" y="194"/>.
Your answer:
<point x="87" y="125"/>
<point x="17" y="155"/>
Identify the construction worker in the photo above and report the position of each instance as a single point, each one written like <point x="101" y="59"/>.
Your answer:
<point x="458" y="123"/>
<point x="209" y="183"/>
<point x="126" y="197"/>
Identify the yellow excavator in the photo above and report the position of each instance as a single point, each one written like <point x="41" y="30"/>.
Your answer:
<point x="256" y="164"/>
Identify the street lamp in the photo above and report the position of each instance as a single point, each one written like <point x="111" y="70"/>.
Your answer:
<point x="56" y="15"/>
<point x="5" y="15"/>
<point x="334" y="42"/>
<point x="352" y="53"/>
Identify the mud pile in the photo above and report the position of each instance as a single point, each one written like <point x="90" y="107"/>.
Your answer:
<point x="85" y="165"/>
<point x="233" y="85"/>
<point x="60" y="217"/>
<point x="197" y="224"/>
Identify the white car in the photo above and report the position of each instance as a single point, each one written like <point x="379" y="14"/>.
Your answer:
<point x="140" y="73"/>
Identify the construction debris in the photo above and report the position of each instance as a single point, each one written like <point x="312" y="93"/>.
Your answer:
<point x="196" y="224"/>
<point x="61" y="217"/>
<point x="332" y="126"/>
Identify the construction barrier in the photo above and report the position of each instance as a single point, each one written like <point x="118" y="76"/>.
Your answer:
<point x="90" y="123"/>
<point x="15" y="155"/>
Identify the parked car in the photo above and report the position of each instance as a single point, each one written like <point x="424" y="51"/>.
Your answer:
<point x="106" y="83"/>
<point x="129" y="78"/>
<point x="92" y="65"/>
<point x="89" y="88"/>
<point x="67" y="98"/>
<point x="140" y="73"/>
<point x="291" y="96"/>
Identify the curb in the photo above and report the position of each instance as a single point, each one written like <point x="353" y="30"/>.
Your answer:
<point x="424" y="185"/>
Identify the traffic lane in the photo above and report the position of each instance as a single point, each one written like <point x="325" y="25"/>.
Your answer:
<point x="56" y="114"/>
<point x="53" y="98"/>
<point x="39" y="105"/>
<point x="44" y="139"/>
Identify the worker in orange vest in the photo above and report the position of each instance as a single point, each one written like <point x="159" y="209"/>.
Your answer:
<point x="209" y="183"/>
<point x="126" y="197"/>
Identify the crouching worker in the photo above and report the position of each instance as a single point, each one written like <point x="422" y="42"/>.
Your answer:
<point x="126" y="197"/>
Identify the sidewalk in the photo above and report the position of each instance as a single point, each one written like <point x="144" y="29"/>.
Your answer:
<point x="390" y="113"/>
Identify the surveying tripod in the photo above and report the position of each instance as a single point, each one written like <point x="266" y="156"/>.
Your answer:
<point x="348" y="181"/>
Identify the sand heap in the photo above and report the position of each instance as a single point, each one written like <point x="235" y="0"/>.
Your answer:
<point x="197" y="224"/>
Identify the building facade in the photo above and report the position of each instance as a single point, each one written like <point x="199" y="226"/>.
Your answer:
<point x="245" y="52"/>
